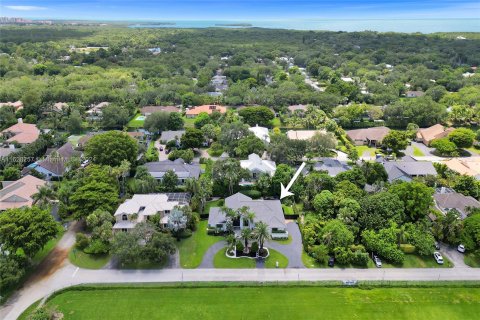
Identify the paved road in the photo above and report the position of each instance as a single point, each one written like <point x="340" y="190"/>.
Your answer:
<point x="293" y="250"/>
<point x="69" y="275"/>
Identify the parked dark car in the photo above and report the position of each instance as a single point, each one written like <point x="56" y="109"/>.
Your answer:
<point x="161" y="148"/>
<point x="331" y="262"/>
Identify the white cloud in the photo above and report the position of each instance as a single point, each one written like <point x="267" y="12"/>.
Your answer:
<point x="25" y="8"/>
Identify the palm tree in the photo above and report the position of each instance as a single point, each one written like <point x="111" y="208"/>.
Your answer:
<point x="261" y="233"/>
<point x="43" y="197"/>
<point x="246" y="235"/>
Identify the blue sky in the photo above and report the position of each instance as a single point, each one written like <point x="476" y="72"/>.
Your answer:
<point x="239" y="9"/>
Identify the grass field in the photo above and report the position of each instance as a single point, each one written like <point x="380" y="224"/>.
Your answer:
<point x="269" y="303"/>
<point x="136" y="122"/>
<point x="274" y="257"/>
<point x="188" y="122"/>
<point x="474" y="150"/>
<point x="192" y="249"/>
<point x="215" y="203"/>
<point x="417" y="152"/>
<point x="362" y="149"/>
<point x="88" y="261"/>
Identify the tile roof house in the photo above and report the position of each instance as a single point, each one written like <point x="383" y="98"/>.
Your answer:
<point x="467" y="166"/>
<point x="143" y="206"/>
<point x="447" y="199"/>
<point x="17" y="194"/>
<point x="171" y="135"/>
<point x="17" y="105"/>
<point x="148" y="110"/>
<point x="303" y="134"/>
<point x="331" y="166"/>
<point x="261" y="133"/>
<point x="427" y="135"/>
<point x="22" y="133"/>
<point x="55" y="164"/>
<point x="267" y="211"/>
<point x="369" y="136"/>
<point x="257" y="166"/>
<point x="407" y="169"/>
<point x="208" y="108"/>
<point x="183" y="170"/>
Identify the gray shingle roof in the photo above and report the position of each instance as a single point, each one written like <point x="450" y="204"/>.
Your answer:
<point x="332" y="166"/>
<point x="406" y="170"/>
<point x="56" y="163"/>
<point x="171" y="135"/>
<point x="182" y="170"/>
<point x="454" y="200"/>
<point x="268" y="211"/>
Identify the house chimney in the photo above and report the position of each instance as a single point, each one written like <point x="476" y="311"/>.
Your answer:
<point x="20" y="120"/>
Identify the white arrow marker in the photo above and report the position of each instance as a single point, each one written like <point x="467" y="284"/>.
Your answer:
<point x="284" y="191"/>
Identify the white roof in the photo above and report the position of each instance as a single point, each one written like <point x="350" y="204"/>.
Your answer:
<point x="152" y="203"/>
<point x="303" y="134"/>
<point x="255" y="163"/>
<point x="260" y="132"/>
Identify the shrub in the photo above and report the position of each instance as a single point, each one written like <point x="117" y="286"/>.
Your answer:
<point x="97" y="247"/>
<point x="254" y="194"/>
<point x="240" y="246"/>
<point x="407" y="248"/>
<point x="186" y="155"/>
<point x="254" y="247"/>
<point x="320" y="253"/>
<point x="360" y="258"/>
<point x="81" y="241"/>
<point x="185" y="234"/>
<point x="342" y="255"/>
<point x="215" y="150"/>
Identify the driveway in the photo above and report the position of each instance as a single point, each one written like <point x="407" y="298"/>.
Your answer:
<point x="293" y="250"/>
<point x="453" y="255"/>
<point x="427" y="151"/>
<point x="207" y="261"/>
<point x="161" y="154"/>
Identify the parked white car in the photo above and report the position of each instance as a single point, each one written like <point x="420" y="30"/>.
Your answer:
<point x="461" y="248"/>
<point x="438" y="257"/>
<point x="378" y="262"/>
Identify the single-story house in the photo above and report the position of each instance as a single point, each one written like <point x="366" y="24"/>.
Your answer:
<point x="17" y="194"/>
<point x="148" y="110"/>
<point x="407" y="169"/>
<point x="55" y="164"/>
<point x="369" y="136"/>
<point x="267" y="211"/>
<point x="427" y="135"/>
<point x="17" y="105"/>
<point x="183" y="170"/>
<point x="143" y="206"/>
<point x="208" y="108"/>
<point x="171" y="135"/>
<point x="467" y="166"/>
<point x="447" y="199"/>
<point x="257" y="166"/>
<point x="331" y="166"/>
<point x="261" y="133"/>
<point x="22" y="133"/>
<point x="303" y="134"/>
<point x="414" y="94"/>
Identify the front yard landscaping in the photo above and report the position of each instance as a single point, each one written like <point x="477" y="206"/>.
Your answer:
<point x="221" y="261"/>
<point x="362" y="149"/>
<point x="193" y="248"/>
<point x="267" y="302"/>
<point x="88" y="261"/>
<point x="472" y="260"/>
<point x="417" y="152"/>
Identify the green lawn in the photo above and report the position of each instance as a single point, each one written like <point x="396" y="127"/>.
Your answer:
<point x="361" y="150"/>
<point x="220" y="260"/>
<point x="472" y="260"/>
<point x="276" y="123"/>
<point x="87" y="261"/>
<point x="188" y="122"/>
<point x="193" y="248"/>
<point x="417" y="152"/>
<point x="210" y="204"/>
<point x="275" y="302"/>
<point x="474" y="150"/>
<point x="49" y="246"/>
<point x="274" y="257"/>
<point x="284" y="241"/>
<point x="136" y="122"/>
<point x="287" y="209"/>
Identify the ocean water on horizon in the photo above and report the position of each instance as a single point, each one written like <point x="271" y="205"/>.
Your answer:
<point x="380" y="25"/>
